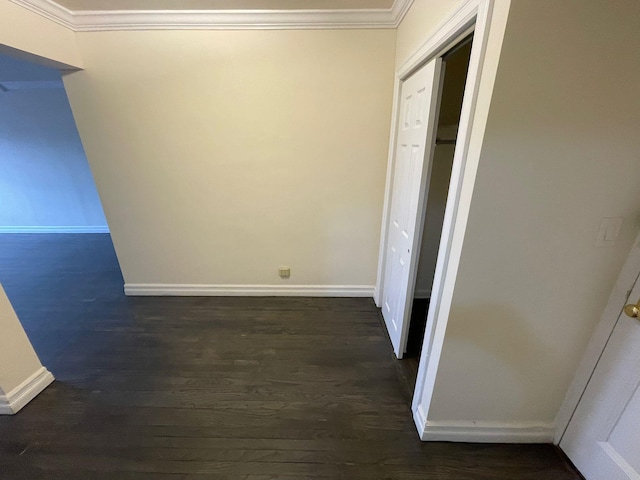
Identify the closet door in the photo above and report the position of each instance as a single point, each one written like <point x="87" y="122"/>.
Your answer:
<point x="413" y="159"/>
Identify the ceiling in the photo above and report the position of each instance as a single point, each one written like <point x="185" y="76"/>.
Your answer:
<point x="16" y="74"/>
<point x="16" y="70"/>
<point x="213" y="5"/>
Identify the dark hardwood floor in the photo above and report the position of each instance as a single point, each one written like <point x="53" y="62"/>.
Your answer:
<point x="408" y="366"/>
<point x="215" y="388"/>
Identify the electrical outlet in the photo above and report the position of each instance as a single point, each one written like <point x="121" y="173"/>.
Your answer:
<point x="284" y="272"/>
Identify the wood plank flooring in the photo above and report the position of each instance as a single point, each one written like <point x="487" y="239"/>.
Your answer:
<point x="215" y="388"/>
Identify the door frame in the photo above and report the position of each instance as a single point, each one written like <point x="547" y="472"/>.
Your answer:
<point x="487" y="21"/>
<point x="599" y="340"/>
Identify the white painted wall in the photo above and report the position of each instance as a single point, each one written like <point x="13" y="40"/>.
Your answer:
<point x="18" y="360"/>
<point x="561" y="151"/>
<point x="15" y="69"/>
<point x="30" y="36"/>
<point x="221" y="155"/>
<point x="22" y="376"/>
<point x="421" y="20"/>
<point x="46" y="182"/>
<point x="34" y="37"/>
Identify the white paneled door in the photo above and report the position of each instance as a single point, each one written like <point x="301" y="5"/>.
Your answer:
<point x="603" y="437"/>
<point x="412" y="167"/>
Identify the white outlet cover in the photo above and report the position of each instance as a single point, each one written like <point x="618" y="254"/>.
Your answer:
<point x="284" y="272"/>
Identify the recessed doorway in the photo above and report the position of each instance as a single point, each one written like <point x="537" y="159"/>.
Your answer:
<point x="54" y="237"/>
<point x="455" y="65"/>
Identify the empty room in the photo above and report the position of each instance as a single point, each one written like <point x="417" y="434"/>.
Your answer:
<point x="237" y="296"/>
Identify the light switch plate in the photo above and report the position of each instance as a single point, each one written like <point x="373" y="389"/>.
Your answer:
<point x="609" y="231"/>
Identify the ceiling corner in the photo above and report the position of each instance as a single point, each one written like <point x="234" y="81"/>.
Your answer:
<point x="399" y="9"/>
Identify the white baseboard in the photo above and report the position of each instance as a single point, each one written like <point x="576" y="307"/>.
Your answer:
<point x="486" y="432"/>
<point x="158" y="289"/>
<point x="13" y="401"/>
<point x="55" y="229"/>
<point x="420" y="420"/>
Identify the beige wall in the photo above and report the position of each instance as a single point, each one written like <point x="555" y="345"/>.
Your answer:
<point x="18" y="360"/>
<point x="45" y="180"/>
<point x="560" y="152"/>
<point x="27" y="35"/>
<point x="221" y="155"/>
<point x="35" y="38"/>
<point x="421" y="20"/>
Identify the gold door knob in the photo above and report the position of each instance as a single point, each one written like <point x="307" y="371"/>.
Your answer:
<point x="632" y="310"/>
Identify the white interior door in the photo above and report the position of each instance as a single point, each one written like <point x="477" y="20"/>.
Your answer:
<point x="603" y="437"/>
<point x="414" y="153"/>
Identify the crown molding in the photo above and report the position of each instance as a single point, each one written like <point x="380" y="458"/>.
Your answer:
<point x="96" y="21"/>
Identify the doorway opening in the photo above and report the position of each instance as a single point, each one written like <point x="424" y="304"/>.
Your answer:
<point x="455" y="66"/>
<point x="54" y="237"/>
<point x="417" y="93"/>
<point x="46" y="184"/>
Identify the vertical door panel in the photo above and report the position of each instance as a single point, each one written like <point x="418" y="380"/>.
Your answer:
<point x="603" y="437"/>
<point x="412" y="168"/>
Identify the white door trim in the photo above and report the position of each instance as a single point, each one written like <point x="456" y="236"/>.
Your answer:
<point x="459" y="24"/>
<point x="488" y="22"/>
<point x="619" y="296"/>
